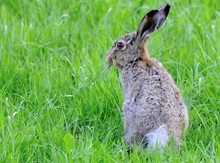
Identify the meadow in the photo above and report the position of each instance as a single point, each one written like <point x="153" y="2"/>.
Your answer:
<point x="51" y="109"/>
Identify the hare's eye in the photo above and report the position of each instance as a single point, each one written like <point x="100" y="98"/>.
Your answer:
<point x="120" y="45"/>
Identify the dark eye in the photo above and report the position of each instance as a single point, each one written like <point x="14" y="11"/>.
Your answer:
<point x="120" y="45"/>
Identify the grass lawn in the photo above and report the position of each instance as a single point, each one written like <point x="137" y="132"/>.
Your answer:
<point x="51" y="49"/>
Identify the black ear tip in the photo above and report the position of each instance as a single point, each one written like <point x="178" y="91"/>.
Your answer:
<point x="167" y="9"/>
<point x="168" y="5"/>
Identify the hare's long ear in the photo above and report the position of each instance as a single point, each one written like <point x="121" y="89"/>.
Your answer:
<point x="152" y="22"/>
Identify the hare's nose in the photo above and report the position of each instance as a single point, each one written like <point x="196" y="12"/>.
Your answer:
<point x="109" y="59"/>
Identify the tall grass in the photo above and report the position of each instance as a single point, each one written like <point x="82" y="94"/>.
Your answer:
<point x="51" y="49"/>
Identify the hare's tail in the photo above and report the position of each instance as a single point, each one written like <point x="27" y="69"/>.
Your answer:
<point x="157" y="138"/>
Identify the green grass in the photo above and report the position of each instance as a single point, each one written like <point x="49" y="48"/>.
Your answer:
<point x="50" y="49"/>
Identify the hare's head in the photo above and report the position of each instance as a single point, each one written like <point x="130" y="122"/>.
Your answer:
<point x="132" y="46"/>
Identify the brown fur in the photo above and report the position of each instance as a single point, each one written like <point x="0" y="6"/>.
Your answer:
<point x="151" y="98"/>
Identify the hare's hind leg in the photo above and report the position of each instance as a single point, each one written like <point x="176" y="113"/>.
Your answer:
<point x="157" y="138"/>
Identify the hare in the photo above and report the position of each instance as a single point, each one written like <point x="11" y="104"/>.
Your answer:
<point x="154" y="112"/>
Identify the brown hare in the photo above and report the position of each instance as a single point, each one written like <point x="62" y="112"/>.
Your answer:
<point x="154" y="112"/>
